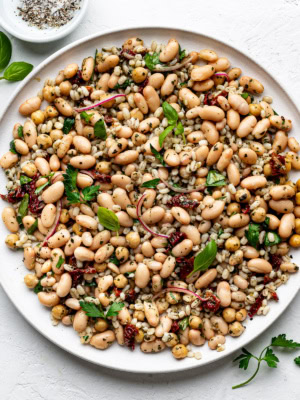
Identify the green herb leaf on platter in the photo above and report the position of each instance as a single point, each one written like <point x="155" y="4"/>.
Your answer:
<point x="32" y="228"/>
<point x="86" y="117"/>
<point x="5" y="51"/>
<point x="108" y="219"/>
<point x="23" y="207"/>
<point x="170" y="113"/>
<point x="220" y="232"/>
<point x="275" y="113"/>
<point x="214" y="178"/>
<point x="252" y="234"/>
<point x="17" y="71"/>
<point x="124" y="85"/>
<point x="90" y="192"/>
<point x="184" y="323"/>
<point x="68" y="125"/>
<point x="38" y="288"/>
<point x="180" y="131"/>
<point x="297" y="360"/>
<point x="113" y="259"/>
<point x="114" y="309"/>
<point x="151" y="60"/>
<point x="60" y="262"/>
<point x="71" y="191"/>
<point x="271" y="238"/>
<point x="100" y="130"/>
<point x="205" y="258"/>
<point x="42" y="187"/>
<point x="165" y="133"/>
<point x="157" y="155"/>
<point x="182" y="54"/>
<point x="20" y="132"/>
<point x="92" y="310"/>
<point x="151" y="184"/>
<point x="12" y="147"/>
<point x="245" y="95"/>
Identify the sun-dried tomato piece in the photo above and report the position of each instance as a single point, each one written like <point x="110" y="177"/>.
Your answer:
<point x="256" y="306"/>
<point x="143" y="85"/>
<point x="245" y="209"/>
<point x="103" y="178"/>
<point x="212" y="304"/>
<point x="212" y="100"/>
<point x="175" y="238"/>
<point x="108" y="119"/>
<point x="175" y="327"/>
<point x="277" y="164"/>
<point x="117" y="292"/>
<point x="127" y="51"/>
<point x="274" y="296"/>
<point x="130" y="331"/>
<point x="186" y="266"/>
<point x="275" y="261"/>
<point x="130" y="296"/>
<point x="77" y="79"/>
<point x="77" y="273"/>
<point x="182" y="201"/>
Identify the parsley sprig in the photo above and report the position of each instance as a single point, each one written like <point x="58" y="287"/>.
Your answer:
<point x="94" y="311"/>
<point x="172" y="117"/>
<point x="73" y="195"/>
<point x="266" y="355"/>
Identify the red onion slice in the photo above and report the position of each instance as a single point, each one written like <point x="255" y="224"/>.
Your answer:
<point x="100" y="102"/>
<point x="180" y="290"/>
<point x="222" y="74"/>
<point x="86" y="172"/>
<point x="55" y="224"/>
<point x="182" y="190"/>
<point x="172" y="67"/>
<point x="146" y="227"/>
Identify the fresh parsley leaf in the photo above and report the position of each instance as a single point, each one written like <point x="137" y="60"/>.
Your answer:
<point x="252" y="234"/>
<point x="275" y="113"/>
<point x="184" y="323"/>
<point x="151" y="184"/>
<point x="87" y="117"/>
<point x="32" y="228"/>
<point x="151" y="60"/>
<point x="244" y="359"/>
<point x="266" y="223"/>
<point x="165" y="133"/>
<point x="220" y="232"/>
<point x="114" y="309"/>
<point x="41" y="188"/>
<point x="24" y="179"/>
<point x="157" y="155"/>
<point x="271" y="238"/>
<point x="170" y="113"/>
<point x="297" y="360"/>
<point x="23" y="208"/>
<point x="92" y="310"/>
<point x="214" y="178"/>
<point x="108" y="219"/>
<point x="38" y="288"/>
<point x="60" y="262"/>
<point x="12" y="147"/>
<point x="20" y="132"/>
<point x="100" y="129"/>
<point x="282" y="341"/>
<point x="271" y="359"/>
<point x="113" y="259"/>
<point x="182" y="54"/>
<point x="245" y="95"/>
<point x="205" y="258"/>
<point x="68" y="125"/>
<point x="73" y="197"/>
<point x="124" y="85"/>
<point x="90" y="192"/>
<point x="70" y="178"/>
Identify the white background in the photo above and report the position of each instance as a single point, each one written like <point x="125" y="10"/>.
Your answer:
<point x="34" y="369"/>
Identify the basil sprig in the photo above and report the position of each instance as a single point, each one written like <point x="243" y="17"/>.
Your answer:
<point x="252" y="234"/>
<point x="100" y="129"/>
<point x="214" y="178"/>
<point x="151" y="184"/>
<point x="151" y="60"/>
<point x="5" y="51"/>
<point x="172" y="117"/>
<point x="157" y="155"/>
<point x="108" y="219"/>
<point x="204" y="259"/>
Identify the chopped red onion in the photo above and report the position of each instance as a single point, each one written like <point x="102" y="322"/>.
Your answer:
<point x="182" y="190"/>
<point x="172" y="67"/>
<point x="222" y="74"/>
<point x="100" y="103"/>
<point x="180" y="290"/>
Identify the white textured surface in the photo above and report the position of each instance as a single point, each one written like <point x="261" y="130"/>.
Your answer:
<point x="31" y="367"/>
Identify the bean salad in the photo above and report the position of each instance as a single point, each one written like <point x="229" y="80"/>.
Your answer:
<point x="148" y="189"/>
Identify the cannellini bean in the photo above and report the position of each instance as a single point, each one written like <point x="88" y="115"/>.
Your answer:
<point x="30" y="133"/>
<point x="21" y="147"/>
<point x="64" y="285"/>
<point x="206" y="279"/>
<point x="56" y="256"/>
<point x="224" y="294"/>
<point x="254" y="182"/>
<point x="251" y="85"/>
<point x="29" y="257"/>
<point x="168" y="267"/>
<point x="87" y="222"/>
<point x="88" y="65"/>
<point x="42" y="166"/>
<point x="63" y="107"/>
<point x="288" y="267"/>
<point x="153" y="215"/>
<point x="239" y="220"/>
<point x="282" y="206"/>
<point x="195" y="337"/>
<point x="287" y="224"/>
<point x="105" y="200"/>
<point x="156" y="80"/>
<point x="126" y="157"/>
<point x="142" y="275"/>
<point x="246" y="126"/>
<point x="104" y="253"/>
<point x="153" y="347"/>
<point x="183" y="248"/>
<point x="282" y="192"/>
<point x="203" y="86"/>
<point x="53" y="193"/>
<point x="224" y="160"/>
<point x="164" y="326"/>
<point x="8" y="160"/>
<point x="219" y="325"/>
<point x="104" y="283"/>
<point x="274" y="221"/>
<point x="280" y="123"/>
<point x="293" y="144"/>
<point x="181" y="215"/>
<point x="83" y="162"/>
<point x="48" y="299"/>
<point x="207" y="329"/>
<point x="103" y="340"/>
<point x="214" y="154"/>
<point x="240" y="282"/>
<point x="248" y="156"/>
<point x="261" y="128"/>
<point x="189" y="98"/>
<point x="233" y="119"/>
<point x="30" y="105"/>
<point x="170" y="51"/>
<point x="82" y="144"/>
<point x="238" y="104"/>
<point x="259" y="266"/>
<point x="72" y="244"/>
<point x="215" y="341"/>
<point x="109" y="63"/>
<point x="212" y="113"/>
<point x="210" y="132"/>
<point x="192" y="233"/>
<point x="59" y="239"/>
<point x="148" y="124"/>
<point x="151" y="98"/>
<point x="202" y="73"/>
<point x="10" y="219"/>
<point x="169" y="85"/>
<point x="124" y="317"/>
<point x="151" y="313"/>
<point x="250" y="252"/>
<point x="141" y="102"/>
<point x="213" y="211"/>
<point x="48" y="215"/>
<point x="83" y="254"/>
<point x="80" y="321"/>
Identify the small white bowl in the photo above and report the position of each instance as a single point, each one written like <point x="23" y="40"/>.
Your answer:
<point x="13" y="23"/>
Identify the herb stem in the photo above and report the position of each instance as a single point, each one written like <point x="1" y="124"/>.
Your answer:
<point x="250" y="379"/>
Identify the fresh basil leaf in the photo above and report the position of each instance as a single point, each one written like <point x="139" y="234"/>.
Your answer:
<point x="108" y="219"/>
<point x="170" y="113"/>
<point x="32" y="228"/>
<point x="12" y="147"/>
<point x="179" y="129"/>
<point x="184" y="323"/>
<point x="23" y="208"/>
<point x="282" y="341"/>
<point x="252" y="234"/>
<point x="70" y="178"/>
<point x="157" y="155"/>
<point x="165" y="133"/>
<point x="5" y="51"/>
<point x="297" y="360"/>
<point x="100" y="129"/>
<point x="182" y="54"/>
<point x="151" y="60"/>
<point x="41" y="188"/>
<point x="124" y="85"/>
<point x="245" y="95"/>
<point x="87" y="117"/>
<point x="20" y="132"/>
<point x="151" y="184"/>
<point x="114" y="309"/>
<point x="38" y="288"/>
<point x="92" y="310"/>
<point x="68" y="125"/>
<point x="17" y="71"/>
<point x="204" y="259"/>
<point x="113" y="259"/>
<point x="266" y="223"/>
<point x="214" y="178"/>
<point x="271" y="238"/>
<point x="60" y="262"/>
<point x="90" y="192"/>
<point x="24" y="179"/>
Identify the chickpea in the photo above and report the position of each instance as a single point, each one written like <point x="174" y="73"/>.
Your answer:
<point x="267" y="170"/>
<point x="232" y="243"/>
<point x="31" y="281"/>
<point x="172" y="340"/>
<point x="133" y="239"/>
<point x="179" y="351"/>
<point x="11" y="240"/>
<point x="258" y="215"/>
<point x="243" y="196"/>
<point x="38" y="117"/>
<point x="139" y="315"/>
<point x="49" y="93"/>
<point x="298" y="199"/>
<point x="51" y="112"/>
<point x="241" y="315"/>
<point x="295" y="240"/>
<point x="173" y="298"/>
<point x="229" y="314"/>
<point x="140" y="336"/>
<point x="64" y="216"/>
<point x="297" y="225"/>
<point x="233" y="208"/>
<point x="139" y="74"/>
<point x="122" y="254"/>
<point x="195" y="322"/>
<point x="236" y="329"/>
<point x="298" y="184"/>
<point x="44" y="141"/>
<point x="78" y="229"/>
<point x="104" y="167"/>
<point x="255" y="109"/>
<point x="29" y="169"/>
<point x="120" y="281"/>
<point x="101" y="325"/>
<point x="59" y="311"/>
